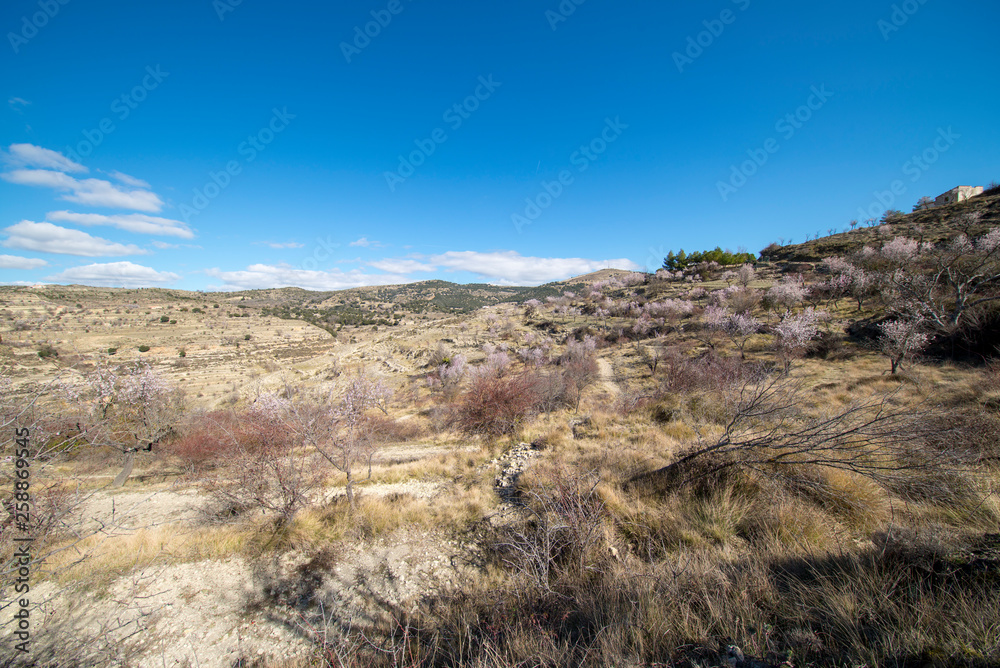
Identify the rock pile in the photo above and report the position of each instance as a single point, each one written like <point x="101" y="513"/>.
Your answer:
<point x="512" y="464"/>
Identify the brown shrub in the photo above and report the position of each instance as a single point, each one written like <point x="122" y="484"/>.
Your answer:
<point x="205" y="442"/>
<point x="496" y="406"/>
<point x="709" y="371"/>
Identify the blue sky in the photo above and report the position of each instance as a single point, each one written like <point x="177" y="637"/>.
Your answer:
<point x="225" y="144"/>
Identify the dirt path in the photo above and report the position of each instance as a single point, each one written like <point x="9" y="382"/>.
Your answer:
<point x="607" y="378"/>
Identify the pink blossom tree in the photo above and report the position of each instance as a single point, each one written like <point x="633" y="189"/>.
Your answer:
<point x="342" y="430"/>
<point x="746" y="275"/>
<point x="793" y="335"/>
<point x="739" y="327"/>
<point x="788" y="293"/>
<point x="901" y="339"/>
<point x="128" y="407"/>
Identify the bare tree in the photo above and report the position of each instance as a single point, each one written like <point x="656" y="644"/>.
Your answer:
<point x="768" y="432"/>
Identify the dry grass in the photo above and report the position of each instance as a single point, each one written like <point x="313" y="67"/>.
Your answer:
<point x="823" y="567"/>
<point x="98" y="560"/>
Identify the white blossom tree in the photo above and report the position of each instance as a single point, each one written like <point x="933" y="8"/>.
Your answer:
<point x="794" y="333"/>
<point x="342" y="430"/>
<point x="128" y="407"/>
<point x="901" y="339"/>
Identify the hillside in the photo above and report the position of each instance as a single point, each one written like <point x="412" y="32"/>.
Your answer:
<point x="931" y="225"/>
<point x="638" y="474"/>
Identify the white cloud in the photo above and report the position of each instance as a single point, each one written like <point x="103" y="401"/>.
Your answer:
<point x="129" y="180"/>
<point x="15" y="262"/>
<point x="49" y="238"/>
<point x="18" y="103"/>
<point x="163" y="245"/>
<point x="29" y="155"/>
<point x="283" y="275"/>
<point x="92" y="192"/>
<point x="115" y="274"/>
<point x="288" y="244"/>
<point x="364" y="242"/>
<point x="511" y="268"/>
<point x="401" y="266"/>
<point x="134" y="222"/>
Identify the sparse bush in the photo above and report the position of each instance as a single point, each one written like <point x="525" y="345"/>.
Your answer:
<point x="768" y="431"/>
<point x="143" y="349"/>
<point x="440" y="355"/>
<point x="164" y="318"/>
<point x="495" y="406"/>
<point x="710" y="371"/>
<point x="47" y="351"/>
<point x="579" y="368"/>
<point x="206" y="441"/>
<point x="265" y="470"/>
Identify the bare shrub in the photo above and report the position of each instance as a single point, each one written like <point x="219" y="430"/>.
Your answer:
<point x="549" y="389"/>
<point x="768" y="432"/>
<point x="496" y="406"/>
<point x="560" y="525"/>
<point x="579" y="367"/>
<point x="203" y="443"/>
<point x="265" y="469"/>
<point x="709" y="371"/>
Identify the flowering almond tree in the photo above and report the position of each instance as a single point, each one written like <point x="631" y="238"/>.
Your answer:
<point x="739" y="327"/>
<point x="948" y="285"/>
<point x="901" y="339"/>
<point x="343" y="430"/>
<point x="130" y="408"/>
<point x="794" y="333"/>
